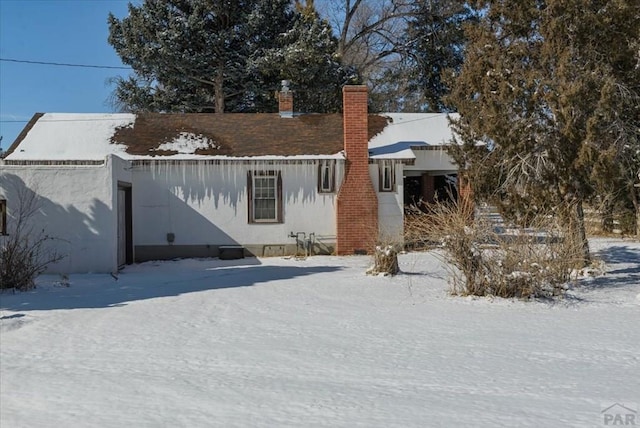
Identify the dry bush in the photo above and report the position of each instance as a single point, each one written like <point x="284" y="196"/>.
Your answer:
<point x="384" y="246"/>
<point x="487" y="258"/>
<point x="385" y="260"/>
<point x="24" y="252"/>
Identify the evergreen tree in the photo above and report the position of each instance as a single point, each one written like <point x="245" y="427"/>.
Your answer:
<point x="308" y="59"/>
<point x="436" y="45"/>
<point x="193" y="55"/>
<point x="613" y="130"/>
<point x="539" y="86"/>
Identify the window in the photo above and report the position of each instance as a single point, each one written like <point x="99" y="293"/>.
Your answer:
<point x="3" y="217"/>
<point x="386" y="176"/>
<point x="265" y="196"/>
<point x="326" y="176"/>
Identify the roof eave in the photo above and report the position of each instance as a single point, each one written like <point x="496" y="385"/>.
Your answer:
<point x="22" y="134"/>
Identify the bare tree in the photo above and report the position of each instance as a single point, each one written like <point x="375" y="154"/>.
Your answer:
<point x="371" y="34"/>
<point x="401" y="48"/>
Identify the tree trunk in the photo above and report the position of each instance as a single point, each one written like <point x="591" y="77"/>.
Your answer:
<point x="607" y="217"/>
<point x="582" y="233"/>
<point x="218" y="88"/>
<point x="385" y="261"/>
<point x="637" y="219"/>
<point x="636" y="206"/>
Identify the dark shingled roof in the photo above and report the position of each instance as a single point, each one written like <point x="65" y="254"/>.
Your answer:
<point x="237" y="134"/>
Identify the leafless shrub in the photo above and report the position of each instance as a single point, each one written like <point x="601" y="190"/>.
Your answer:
<point x="24" y="251"/>
<point x="487" y="258"/>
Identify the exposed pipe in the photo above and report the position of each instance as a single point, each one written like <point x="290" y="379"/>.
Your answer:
<point x="304" y="245"/>
<point x="300" y="243"/>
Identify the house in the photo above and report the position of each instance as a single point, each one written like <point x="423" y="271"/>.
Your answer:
<point x="123" y="188"/>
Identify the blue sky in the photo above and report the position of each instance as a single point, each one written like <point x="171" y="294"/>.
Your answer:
<point x="62" y="31"/>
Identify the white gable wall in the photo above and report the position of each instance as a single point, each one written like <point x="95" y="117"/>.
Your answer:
<point x="75" y="207"/>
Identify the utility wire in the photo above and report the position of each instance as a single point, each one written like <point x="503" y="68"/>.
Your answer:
<point x="430" y="116"/>
<point x="62" y="64"/>
<point x="99" y="119"/>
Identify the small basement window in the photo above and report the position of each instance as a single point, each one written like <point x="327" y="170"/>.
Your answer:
<point x="386" y="176"/>
<point x="265" y="196"/>
<point x="326" y="176"/>
<point x="3" y="217"/>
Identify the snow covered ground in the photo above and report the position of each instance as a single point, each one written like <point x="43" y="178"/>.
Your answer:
<point x="289" y="343"/>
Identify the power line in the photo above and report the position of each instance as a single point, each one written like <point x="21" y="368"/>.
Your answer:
<point x="93" y="119"/>
<point x="430" y="116"/>
<point x="62" y="64"/>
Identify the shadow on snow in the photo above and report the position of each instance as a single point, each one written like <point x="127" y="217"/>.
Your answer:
<point x="142" y="283"/>
<point x="616" y="275"/>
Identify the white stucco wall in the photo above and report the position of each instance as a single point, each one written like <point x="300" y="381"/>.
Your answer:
<point x="207" y="205"/>
<point x="120" y="172"/>
<point x="75" y="206"/>
<point x="200" y="204"/>
<point x="390" y="205"/>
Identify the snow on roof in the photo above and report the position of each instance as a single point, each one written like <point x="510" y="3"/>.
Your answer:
<point x="188" y="143"/>
<point x="148" y="136"/>
<point x="72" y="136"/>
<point x="91" y="136"/>
<point x="407" y="130"/>
<point x="399" y="150"/>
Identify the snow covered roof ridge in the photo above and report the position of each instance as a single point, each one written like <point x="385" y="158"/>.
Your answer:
<point x="93" y="136"/>
<point x="407" y="131"/>
<point x="69" y="136"/>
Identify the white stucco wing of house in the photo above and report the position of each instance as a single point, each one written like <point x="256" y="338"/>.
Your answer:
<point x="415" y="143"/>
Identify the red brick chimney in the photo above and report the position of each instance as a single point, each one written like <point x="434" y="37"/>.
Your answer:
<point x="285" y="100"/>
<point x="357" y="216"/>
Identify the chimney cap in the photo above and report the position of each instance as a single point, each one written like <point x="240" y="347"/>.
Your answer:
<point x="355" y="88"/>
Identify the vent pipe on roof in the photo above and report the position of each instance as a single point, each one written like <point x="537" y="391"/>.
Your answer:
<point x="285" y="100"/>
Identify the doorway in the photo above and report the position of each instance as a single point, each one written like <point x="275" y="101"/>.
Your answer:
<point x="125" y="225"/>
